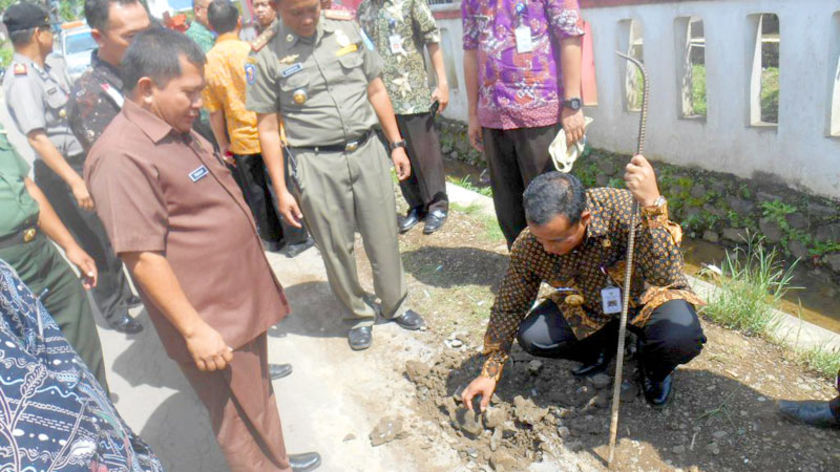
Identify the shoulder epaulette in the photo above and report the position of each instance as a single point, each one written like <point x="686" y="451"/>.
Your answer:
<point x="263" y="38"/>
<point x="20" y="69"/>
<point x="340" y="15"/>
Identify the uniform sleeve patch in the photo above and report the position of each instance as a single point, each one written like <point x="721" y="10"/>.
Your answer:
<point x="20" y="69"/>
<point x="250" y="73"/>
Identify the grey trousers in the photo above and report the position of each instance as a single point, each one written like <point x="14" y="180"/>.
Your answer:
<point x="425" y="188"/>
<point x="341" y="193"/>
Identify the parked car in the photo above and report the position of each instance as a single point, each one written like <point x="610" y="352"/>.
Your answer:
<point x="77" y="46"/>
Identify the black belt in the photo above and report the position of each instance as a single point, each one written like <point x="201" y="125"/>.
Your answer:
<point x="349" y="146"/>
<point x="21" y="236"/>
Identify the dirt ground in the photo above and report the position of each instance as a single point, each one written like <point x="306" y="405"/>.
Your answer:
<point x="722" y="416"/>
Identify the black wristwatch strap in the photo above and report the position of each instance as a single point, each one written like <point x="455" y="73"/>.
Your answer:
<point x="397" y="144"/>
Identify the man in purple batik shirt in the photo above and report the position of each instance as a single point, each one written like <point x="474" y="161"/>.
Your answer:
<point x="522" y="62"/>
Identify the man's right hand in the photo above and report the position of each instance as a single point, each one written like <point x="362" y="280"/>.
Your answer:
<point x="482" y="385"/>
<point x="209" y="350"/>
<point x="474" y="133"/>
<point x="82" y="195"/>
<point x="288" y="208"/>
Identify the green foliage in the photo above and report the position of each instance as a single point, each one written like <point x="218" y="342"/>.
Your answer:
<point x="698" y="89"/>
<point x="752" y="284"/>
<point x="824" y="361"/>
<point x="770" y="95"/>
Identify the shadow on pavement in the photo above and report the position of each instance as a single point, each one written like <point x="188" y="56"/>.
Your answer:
<point x="315" y="312"/>
<point x="448" y="267"/>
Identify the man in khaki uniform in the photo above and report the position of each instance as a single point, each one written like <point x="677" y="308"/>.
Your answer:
<point x="317" y="73"/>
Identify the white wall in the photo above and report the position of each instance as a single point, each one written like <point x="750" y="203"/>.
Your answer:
<point x="799" y="152"/>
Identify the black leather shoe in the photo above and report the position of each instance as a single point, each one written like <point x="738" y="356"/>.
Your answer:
<point x="596" y="366"/>
<point x="360" y="338"/>
<point x="125" y="324"/>
<point x="278" y="371"/>
<point x="134" y="301"/>
<point x="810" y="412"/>
<point x="292" y="250"/>
<point x="410" y="220"/>
<point x="410" y="320"/>
<point x="434" y="221"/>
<point x="304" y="462"/>
<point x="658" y="393"/>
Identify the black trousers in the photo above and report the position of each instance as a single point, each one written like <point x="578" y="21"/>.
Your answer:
<point x="251" y="175"/>
<point x="425" y="189"/>
<point x="112" y="290"/>
<point x="514" y="158"/>
<point x="671" y="337"/>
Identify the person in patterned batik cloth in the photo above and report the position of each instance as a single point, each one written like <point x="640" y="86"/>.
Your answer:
<point x="576" y="241"/>
<point x="522" y="74"/>
<point x="55" y="415"/>
<point x="399" y="29"/>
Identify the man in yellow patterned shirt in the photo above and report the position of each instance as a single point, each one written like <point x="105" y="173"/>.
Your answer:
<point x="227" y="72"/>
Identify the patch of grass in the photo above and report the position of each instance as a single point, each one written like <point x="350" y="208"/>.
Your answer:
<point x="770" y="95"/>
<point x="752" y="284"/>
<point x="489" y="224"/>
<point x="466" y="183"/>
<point x="824" y="361"/>
<point x="473" y="208"/>
<point x="492" y="232"/>
<point x="698" y="89"/>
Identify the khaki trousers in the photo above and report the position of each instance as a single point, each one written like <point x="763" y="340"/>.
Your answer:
<point x="243" y="411"/>
<point x="341" y="193"/>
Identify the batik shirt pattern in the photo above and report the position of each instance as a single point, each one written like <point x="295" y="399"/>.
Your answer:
<point x="519" y="90"/>
<point x="579" y="276"/>
<point x="405" y="75"/>
<point x="96" y="98"/>
<point x="54" y="415"/>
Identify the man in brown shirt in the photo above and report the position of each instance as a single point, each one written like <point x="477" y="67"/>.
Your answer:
<point x="177" y="219"/>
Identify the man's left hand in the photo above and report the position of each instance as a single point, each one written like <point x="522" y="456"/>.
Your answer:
<point x="86" y="265"/>
<point x="441" y="94"/>
<point x="573" y="124"/>
<point x="640" y="179"/>
<point x="401" y="163"/>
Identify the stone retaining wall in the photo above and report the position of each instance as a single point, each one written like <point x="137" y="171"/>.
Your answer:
<point x="714" y="206"/>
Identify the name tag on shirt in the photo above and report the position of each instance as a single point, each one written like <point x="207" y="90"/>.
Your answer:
<point x="524" y="43"/>
<point x="199" y="173"/>
<point x="611" y="300"/>
<point x="291" y="70"/>
<point x="396" y="43"/>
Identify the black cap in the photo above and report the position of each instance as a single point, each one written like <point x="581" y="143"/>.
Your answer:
<point x="23" y="16"/>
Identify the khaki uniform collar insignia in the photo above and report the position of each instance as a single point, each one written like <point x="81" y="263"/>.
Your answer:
<point x="340" y="15"/>
<point x="263" y="39"/>
<point x="290" y="59"/>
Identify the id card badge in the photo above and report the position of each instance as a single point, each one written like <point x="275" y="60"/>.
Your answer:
<point x="524" y="42"/>
<point x="396" y="43"/>
<point x="611" y="300"/>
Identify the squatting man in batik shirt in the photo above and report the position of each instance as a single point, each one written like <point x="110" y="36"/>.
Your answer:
<point x="576" y="241"/>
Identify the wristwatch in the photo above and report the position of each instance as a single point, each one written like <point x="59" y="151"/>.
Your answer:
<point x="398" y="144"/>
<point x="573" y="103"/>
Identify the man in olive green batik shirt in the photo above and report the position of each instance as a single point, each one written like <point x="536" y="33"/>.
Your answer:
<point x="399" y="29"/>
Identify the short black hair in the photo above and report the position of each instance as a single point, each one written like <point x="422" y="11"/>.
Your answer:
<point x="96" y="12"/>
<point x="223" y="16"/>
<point x="552" y="194"/>
<point x="22" y="37"/>
<point x="156" y="53"/>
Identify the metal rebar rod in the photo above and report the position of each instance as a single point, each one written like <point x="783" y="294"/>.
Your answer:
<point x="631" y="242"/>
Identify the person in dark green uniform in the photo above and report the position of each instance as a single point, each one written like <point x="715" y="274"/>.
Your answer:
<point x="27" y="220"/>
